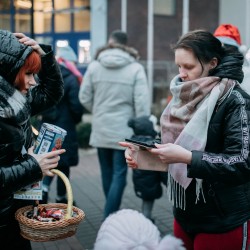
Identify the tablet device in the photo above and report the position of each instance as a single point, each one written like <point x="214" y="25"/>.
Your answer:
<point x="142" y="144"/>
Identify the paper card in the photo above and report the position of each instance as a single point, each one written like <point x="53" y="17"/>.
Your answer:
<point x="148" y="161"/>
<point x="30" y="192"/>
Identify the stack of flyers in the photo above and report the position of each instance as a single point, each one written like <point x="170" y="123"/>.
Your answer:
<point x="30" y="192"/>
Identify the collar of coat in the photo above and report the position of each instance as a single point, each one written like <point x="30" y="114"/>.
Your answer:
<point x="14" y="106"/>
<point x="133" y="52"/>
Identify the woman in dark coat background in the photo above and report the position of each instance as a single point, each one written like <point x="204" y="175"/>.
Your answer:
<point x="66" y="115"/>
<point x="20" y="98"/>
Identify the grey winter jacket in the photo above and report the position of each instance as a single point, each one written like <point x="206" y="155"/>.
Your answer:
<point x="114" y="89"/>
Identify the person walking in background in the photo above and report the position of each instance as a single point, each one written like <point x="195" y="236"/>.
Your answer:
<point x="66" y="114"/>
<point x="114" y="89"/>
<point x="21" y="97"/>
<point x="205" y="144"/>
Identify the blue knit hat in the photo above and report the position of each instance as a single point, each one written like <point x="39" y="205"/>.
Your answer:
<point x="67" y="53"/>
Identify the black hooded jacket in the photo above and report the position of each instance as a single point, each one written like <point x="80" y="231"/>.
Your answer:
<point x="224" y="167"/>
<point x="17" y="168"/>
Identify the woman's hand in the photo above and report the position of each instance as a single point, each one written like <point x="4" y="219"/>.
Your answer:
<point x="129" y="148"/>
<point x="172" y="153"/>
<point x="47" y="161"/>
<point x="29" y="42"/>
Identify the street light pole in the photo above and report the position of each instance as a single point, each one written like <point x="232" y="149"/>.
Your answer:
<point x="124" y="15"/>
<point x="32" y="19"/>
<point x="185" y="17"/>
<point x="150" y="48"/>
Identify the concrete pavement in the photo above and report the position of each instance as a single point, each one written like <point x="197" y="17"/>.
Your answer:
<point x="87" y="190"/>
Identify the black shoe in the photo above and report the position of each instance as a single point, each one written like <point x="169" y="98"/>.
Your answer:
<point x="45" y="198"/>
<point x="64" y="200"/>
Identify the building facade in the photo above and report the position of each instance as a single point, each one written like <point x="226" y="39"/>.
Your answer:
<point x="167" y="27"/>
<point x="152" y="26"/>
<point x="55" y="22"/>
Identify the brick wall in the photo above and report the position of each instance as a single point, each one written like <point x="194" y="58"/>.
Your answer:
<point x="167" y="29"/>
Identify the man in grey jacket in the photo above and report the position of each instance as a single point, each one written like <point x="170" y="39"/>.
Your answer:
<point x="114" y="89"/>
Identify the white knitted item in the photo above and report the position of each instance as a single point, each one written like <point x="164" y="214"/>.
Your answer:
<point x="128" y="229"/>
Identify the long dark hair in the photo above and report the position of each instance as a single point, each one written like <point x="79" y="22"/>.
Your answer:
<point x="205" y="46"/>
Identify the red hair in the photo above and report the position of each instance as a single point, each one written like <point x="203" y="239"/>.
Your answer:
<point x="32" y="64"/>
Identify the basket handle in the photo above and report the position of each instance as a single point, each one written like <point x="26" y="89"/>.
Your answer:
<point x="68" y="189"/>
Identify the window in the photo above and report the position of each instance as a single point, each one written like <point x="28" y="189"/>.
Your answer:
<point x="164" y="7"/>
<point x="42" y="16"/>
<point x="82" y="21"/>
<point x="22" y="16"/>
<point x="84" y="51"/>
<point x="5" y="22"/>
<point x="22" y="5"/>
<point x="62" y="22"/>
<point x="59" y="4"/>
<point x="5" y="5"/>
<point x="60" y="44"/>
<point x="81" y="15"/>
<point x="22" y="22"/>
<point x="62" y="16"/>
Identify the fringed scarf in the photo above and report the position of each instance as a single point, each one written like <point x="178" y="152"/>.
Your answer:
<point x="185" y="122"/>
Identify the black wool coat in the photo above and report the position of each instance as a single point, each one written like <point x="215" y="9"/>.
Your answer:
<point x="17" y="168"/>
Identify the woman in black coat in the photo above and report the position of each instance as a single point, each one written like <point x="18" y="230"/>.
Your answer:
<point x="20" y="98"/>
<point x="66" y="114"/>
<point x="205" y="145"/>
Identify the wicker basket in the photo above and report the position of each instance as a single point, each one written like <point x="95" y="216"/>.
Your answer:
<point x="34" y="230"/>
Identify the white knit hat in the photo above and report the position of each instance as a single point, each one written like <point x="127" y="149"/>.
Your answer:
<point x="67" y="53"/>
<point x="128" y="229"/>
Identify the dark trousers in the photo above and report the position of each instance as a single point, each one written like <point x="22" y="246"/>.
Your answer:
<point x="114" y="173"/>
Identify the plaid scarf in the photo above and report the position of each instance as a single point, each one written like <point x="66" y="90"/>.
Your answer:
<point x="185" y="122"/>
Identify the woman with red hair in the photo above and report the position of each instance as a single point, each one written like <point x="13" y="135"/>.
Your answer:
<point x="30" y="82"/>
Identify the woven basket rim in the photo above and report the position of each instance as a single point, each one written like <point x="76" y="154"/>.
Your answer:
<point x="45" y="231"/>
<point x="32" y="223"/>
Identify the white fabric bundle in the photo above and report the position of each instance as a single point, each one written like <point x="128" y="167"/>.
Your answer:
<point x="128" y="229"/>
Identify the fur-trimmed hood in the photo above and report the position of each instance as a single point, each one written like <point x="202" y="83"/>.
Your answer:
<point x="116" y="55"/>
<point x="12" y="55"/>
<point x="131" y="51"/>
